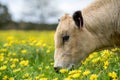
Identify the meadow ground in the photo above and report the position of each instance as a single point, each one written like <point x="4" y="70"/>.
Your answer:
<point x="28" y="55"/>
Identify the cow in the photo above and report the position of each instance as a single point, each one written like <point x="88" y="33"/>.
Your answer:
<point x="95" y="27"/>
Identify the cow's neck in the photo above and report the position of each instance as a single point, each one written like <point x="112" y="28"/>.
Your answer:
<point x="102" y="25"/>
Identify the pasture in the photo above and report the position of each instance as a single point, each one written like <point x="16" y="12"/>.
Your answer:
<point x="29" y="55"/>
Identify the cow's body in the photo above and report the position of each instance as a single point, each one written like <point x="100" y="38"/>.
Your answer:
<point x="101" y="28"/>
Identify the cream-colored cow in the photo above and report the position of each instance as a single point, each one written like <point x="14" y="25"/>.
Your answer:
<point x="95" y="27"/>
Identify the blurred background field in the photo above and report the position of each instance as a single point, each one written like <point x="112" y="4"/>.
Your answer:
<point x="45" y="36"/>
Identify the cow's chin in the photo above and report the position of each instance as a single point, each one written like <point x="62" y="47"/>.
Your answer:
<point x="73" y="66"/>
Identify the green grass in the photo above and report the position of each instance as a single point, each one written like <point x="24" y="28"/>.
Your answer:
<point x="28" y="55"/>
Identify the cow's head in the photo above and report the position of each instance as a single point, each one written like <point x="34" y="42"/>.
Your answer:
<point x="72" y="41"/>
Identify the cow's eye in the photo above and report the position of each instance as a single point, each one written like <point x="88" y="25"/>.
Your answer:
<point x="65" y="38"/>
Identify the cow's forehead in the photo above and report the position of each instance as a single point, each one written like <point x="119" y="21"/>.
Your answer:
<point x="65" y="17"/>
<point x="66" y="23"/>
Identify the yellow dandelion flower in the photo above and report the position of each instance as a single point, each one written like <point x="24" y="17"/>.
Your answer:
<point x="41" y="75"/>
<point x="41" y="41"/>
<point x="9" y="38"/>
<point x="31" y="39"/>
<point x="63" y="70"/>
<point x="13" y="66"/>
<point x="14" y="60"/>
<point x="14" y="54"/>
<point x="5" y="62"/>
<point x="7" y="44"/>
<point x="51" y="63"/>
<point x="37" y="78"/>
<point x="29" y="79"/>
<point x="76" y="75"/>
<point x="106" y="63"/>
<point x="48" y="51"/>
<point x="55" y="79"/>
<point x="11" y="42"/>
<point x="11" y="59"/>
<point x="5" y="77"/>
<point x="4" y="67"/>
<point x="40" y="68"/>
<point x="43" y="78"/>
<point x="92" y="55"/>
<point x="16" y="70"/>
<point x="11" y="78"/>
<point x="44" y="45"/>
<point x="93" y="77"/>
<point x="38" y="44"/>
<point x="24" y="63"/>
<point x="113" y="75"/>
<point x="3" y="50"/>
<point x="74" y="71"/>
<point x="47" y="67"/>
<point x="106" y="53"/>
<point x="115" y="49"/>
<point x="67" y="78"/>
<point x="24" y="51"/>
<point x="83" y="62"/>
<point x="1" y="57"/>
<point x="31" y="44"/>
<point x="9" y="54"/>
<point x="26" y="75"/>
<point x="34" y="41"/>
<point x="87" y="72"/>
<point x="96" y="60"/>
<point x="23" y="41"/>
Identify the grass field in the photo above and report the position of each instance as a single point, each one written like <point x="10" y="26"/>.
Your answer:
<point x="28" y="55"/>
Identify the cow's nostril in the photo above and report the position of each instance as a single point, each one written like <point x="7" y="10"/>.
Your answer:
<point x="57" y="69"/>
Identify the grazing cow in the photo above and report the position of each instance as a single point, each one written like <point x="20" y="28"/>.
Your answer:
<point x="95" y="27"/>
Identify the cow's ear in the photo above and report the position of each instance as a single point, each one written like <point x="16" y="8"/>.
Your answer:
<point x="77" y="17"/>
